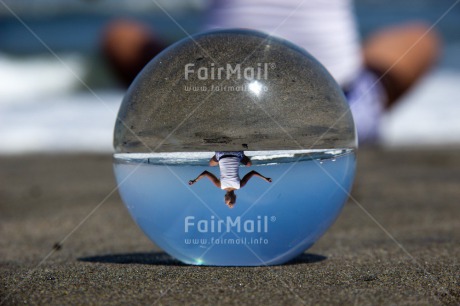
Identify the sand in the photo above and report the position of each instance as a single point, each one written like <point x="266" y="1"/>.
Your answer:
<point x="399" y="244"/>
<point x="287" y="104"/>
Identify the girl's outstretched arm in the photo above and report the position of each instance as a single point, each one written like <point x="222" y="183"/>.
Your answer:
<point x="207" y="174"/>
<point x="213" y="161"/>
<point x="246" y="161"/>
<point x="249" y="175"/>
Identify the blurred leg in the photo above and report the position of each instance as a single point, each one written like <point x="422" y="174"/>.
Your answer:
<point x="129" y="46"/>
<point x="388" y="47"/>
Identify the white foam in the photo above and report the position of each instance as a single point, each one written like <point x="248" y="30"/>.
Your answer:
<point x="39" y="112"/>
<point x="429" y="115"/>
<point x="256" y="155"/>
<point x="27" y="80"/>
<point x="63" y="123"/>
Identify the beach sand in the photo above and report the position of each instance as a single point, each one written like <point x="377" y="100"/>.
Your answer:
<point x="399" y="244"/>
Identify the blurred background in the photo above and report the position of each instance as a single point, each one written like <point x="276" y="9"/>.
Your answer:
<point x="57" y="92"/>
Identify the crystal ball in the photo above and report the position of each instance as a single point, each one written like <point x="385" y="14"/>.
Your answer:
<point x="234" y="148"/>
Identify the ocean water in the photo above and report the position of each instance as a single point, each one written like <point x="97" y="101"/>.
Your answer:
<point x="54" y="118"/>
<point x="45" y="108"/>
<point x="270" y="222"/>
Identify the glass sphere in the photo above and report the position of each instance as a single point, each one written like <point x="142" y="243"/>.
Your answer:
<point x="234" y="147"/>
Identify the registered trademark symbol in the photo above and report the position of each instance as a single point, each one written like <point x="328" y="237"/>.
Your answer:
<point x="273" y="218"/>
<point x="272" y="66"/>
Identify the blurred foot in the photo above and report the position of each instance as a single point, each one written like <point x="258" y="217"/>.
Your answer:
<point x="400" y="55"/>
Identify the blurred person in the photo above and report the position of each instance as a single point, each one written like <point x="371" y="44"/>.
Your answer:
<point x="373" y="75"/>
